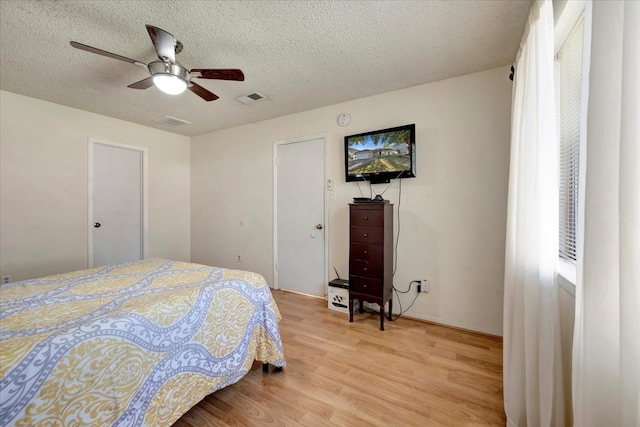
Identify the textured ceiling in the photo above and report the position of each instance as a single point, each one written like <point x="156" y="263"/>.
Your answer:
<point x="300" y="54"/>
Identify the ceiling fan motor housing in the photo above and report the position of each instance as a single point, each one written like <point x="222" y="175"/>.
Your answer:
<point x="174" y="69"/>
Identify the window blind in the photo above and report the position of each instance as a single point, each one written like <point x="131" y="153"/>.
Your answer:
<point x="569" y="60"/>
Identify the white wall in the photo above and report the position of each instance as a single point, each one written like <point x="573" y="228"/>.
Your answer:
<point x="452" y="216"/>
<point x="567" y="301"/>
<point x="43" y="186"/>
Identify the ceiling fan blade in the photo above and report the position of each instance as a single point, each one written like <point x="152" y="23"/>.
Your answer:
<point x="142" y="84"/>
<point x="164" y="43"/>
<point x="221" y="74"/>
<point x="202" y="92"/>
<point x="105" y="53"/>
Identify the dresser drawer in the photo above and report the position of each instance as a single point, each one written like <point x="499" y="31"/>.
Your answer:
<point x="367" y="235"/>
<point x="364" y="285"/>
<point x="365" y="268"/>
<point x="367" y="252"/>
<point x="367" y="217"/>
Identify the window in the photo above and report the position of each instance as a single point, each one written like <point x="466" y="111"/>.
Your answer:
<point x="568" y="107"/>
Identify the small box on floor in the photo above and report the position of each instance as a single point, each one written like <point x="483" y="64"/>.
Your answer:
<point x="339" y="295"/>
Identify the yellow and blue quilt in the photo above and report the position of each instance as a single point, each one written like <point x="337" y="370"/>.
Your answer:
<point x="137" y="344"/>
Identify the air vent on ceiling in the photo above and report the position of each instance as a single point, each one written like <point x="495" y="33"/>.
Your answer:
<point x="250" y="98"/>
<point x="172" y="121"/>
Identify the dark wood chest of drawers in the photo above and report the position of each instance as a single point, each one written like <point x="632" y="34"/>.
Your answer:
<point x="371" y="256"/>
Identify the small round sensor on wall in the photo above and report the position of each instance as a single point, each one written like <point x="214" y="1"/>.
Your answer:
<point x="344" y="119"/>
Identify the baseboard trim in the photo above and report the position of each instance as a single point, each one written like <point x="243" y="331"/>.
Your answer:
<point x="302" y="293"/>
<point x="458" y="328"/>
<point x="489" y="335"/>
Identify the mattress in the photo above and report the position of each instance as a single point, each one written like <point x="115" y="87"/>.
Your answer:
<point x="136" y="344"/>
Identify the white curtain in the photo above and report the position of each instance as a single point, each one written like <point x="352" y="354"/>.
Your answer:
<point x="533" y="393"/>
<point x="606" y="352"/>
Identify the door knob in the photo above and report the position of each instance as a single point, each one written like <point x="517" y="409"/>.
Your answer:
<point x="319" y="227"/>
<point x="97" y="225"/>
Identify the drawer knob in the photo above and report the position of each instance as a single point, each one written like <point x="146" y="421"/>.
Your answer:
<point x="366" y="218"/>
<point x="364" y="286"/>
<point x="365" y="234"/>
<point x="365" y="269"/>
<point x="366" y="252"/>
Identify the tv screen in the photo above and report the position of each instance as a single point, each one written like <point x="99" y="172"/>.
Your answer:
<point x="381" y="155"/>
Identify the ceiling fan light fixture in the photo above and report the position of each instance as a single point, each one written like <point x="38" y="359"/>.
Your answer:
<point x="170" y="84"/>
<point x="166" y="73"/>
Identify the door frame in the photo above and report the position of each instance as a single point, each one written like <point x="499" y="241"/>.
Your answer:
<point x="145" y="193"/>
<point x="276" y="145"/>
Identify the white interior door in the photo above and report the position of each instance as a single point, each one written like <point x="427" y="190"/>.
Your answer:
<point x="116" y="226"/>
<point x="300" y="216"/>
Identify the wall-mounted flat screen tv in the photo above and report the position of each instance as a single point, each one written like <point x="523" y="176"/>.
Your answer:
<point x="382" y="155"/>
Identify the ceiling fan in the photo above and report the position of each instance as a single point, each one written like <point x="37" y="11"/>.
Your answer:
<point x="167" y="74"/>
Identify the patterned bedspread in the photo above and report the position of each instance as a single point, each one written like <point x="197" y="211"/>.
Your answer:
<point x="129" y="345"/>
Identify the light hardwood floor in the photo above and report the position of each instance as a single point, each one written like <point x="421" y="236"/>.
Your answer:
<point x="352" y="374"/>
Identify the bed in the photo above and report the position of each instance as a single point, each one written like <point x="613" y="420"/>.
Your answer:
<point x="136" y="344"/>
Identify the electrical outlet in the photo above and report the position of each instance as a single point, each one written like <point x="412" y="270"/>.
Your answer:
<point x="239" y="258"/>
<point x="6" y="279"/>
<point x="426" y="285"/>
